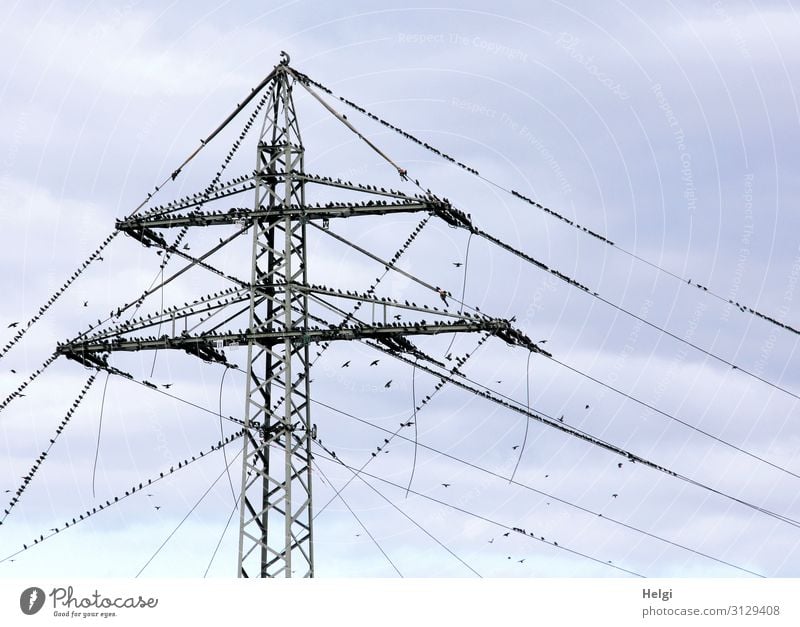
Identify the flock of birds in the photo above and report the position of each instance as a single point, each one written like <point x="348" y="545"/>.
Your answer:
<point x="220" y="299"/>
<point x="136" y="488"/>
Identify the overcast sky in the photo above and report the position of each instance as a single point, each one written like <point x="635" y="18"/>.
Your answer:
<point x="672" y="130"/>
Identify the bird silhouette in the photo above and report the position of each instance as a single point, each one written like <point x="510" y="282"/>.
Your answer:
<point x="346" y="364"/>
<point x="619" y="465"/>
<point x="12" y="325"/>
<point x="375" y="363"/>
<point x="158" y="507"/>
<point x="587" y="407"/>
<point x="86" y="303"/>
<point x="388" y="384"/>
<point x="446" y="485"/>
<point x="614" y="496"/>
<point x="506" y="534"/>
<point x="514" y="448"/>
<point x="457" y="264"/>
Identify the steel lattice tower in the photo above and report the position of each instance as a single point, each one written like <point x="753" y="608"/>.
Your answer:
<point x="275" y="530"/>
<point x="275" y="523"/>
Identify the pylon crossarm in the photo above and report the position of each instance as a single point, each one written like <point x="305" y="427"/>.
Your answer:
<point x="239" y="215"/>
<point x="207" y="346"/>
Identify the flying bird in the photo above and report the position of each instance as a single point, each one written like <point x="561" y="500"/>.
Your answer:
<point x="12" y="325"/>
<point x="346" y="364"/>
<point x="375" y="363"/>
<point x="388" y="384"/>
<point x="514" y="448"/>
<point x="457" y="264"/>
<point x="614" y="496"/>
<point x="86" y="303"/>
<point x="446" y="485"/>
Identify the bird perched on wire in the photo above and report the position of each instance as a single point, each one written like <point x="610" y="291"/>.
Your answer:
<point x="443" y="294"/>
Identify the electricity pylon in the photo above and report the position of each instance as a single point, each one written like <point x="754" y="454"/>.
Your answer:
<point x="275" y="525"/>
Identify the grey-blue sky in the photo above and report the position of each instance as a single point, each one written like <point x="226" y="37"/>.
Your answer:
<point x="671" y="129"/>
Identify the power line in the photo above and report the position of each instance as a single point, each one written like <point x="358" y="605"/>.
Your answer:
<point x="26" y="480"/>
<point x="222" y="535"/>
<point x="578" y="433"/>
<point x="360" y="522"/>
<point x="184" y="519"/>
<point x="550" y="212"/>
<point x="535" y="490"/>
<point x="480" y="517"/>
<point x="128" y="493"/>
<point x="396" y="507"/>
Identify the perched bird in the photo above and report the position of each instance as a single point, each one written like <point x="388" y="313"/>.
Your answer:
<point x="442" y="295"/>
<point x="388" y="384"/>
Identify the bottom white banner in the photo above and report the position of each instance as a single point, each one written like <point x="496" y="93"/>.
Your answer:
<point x="356" y="602"/>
